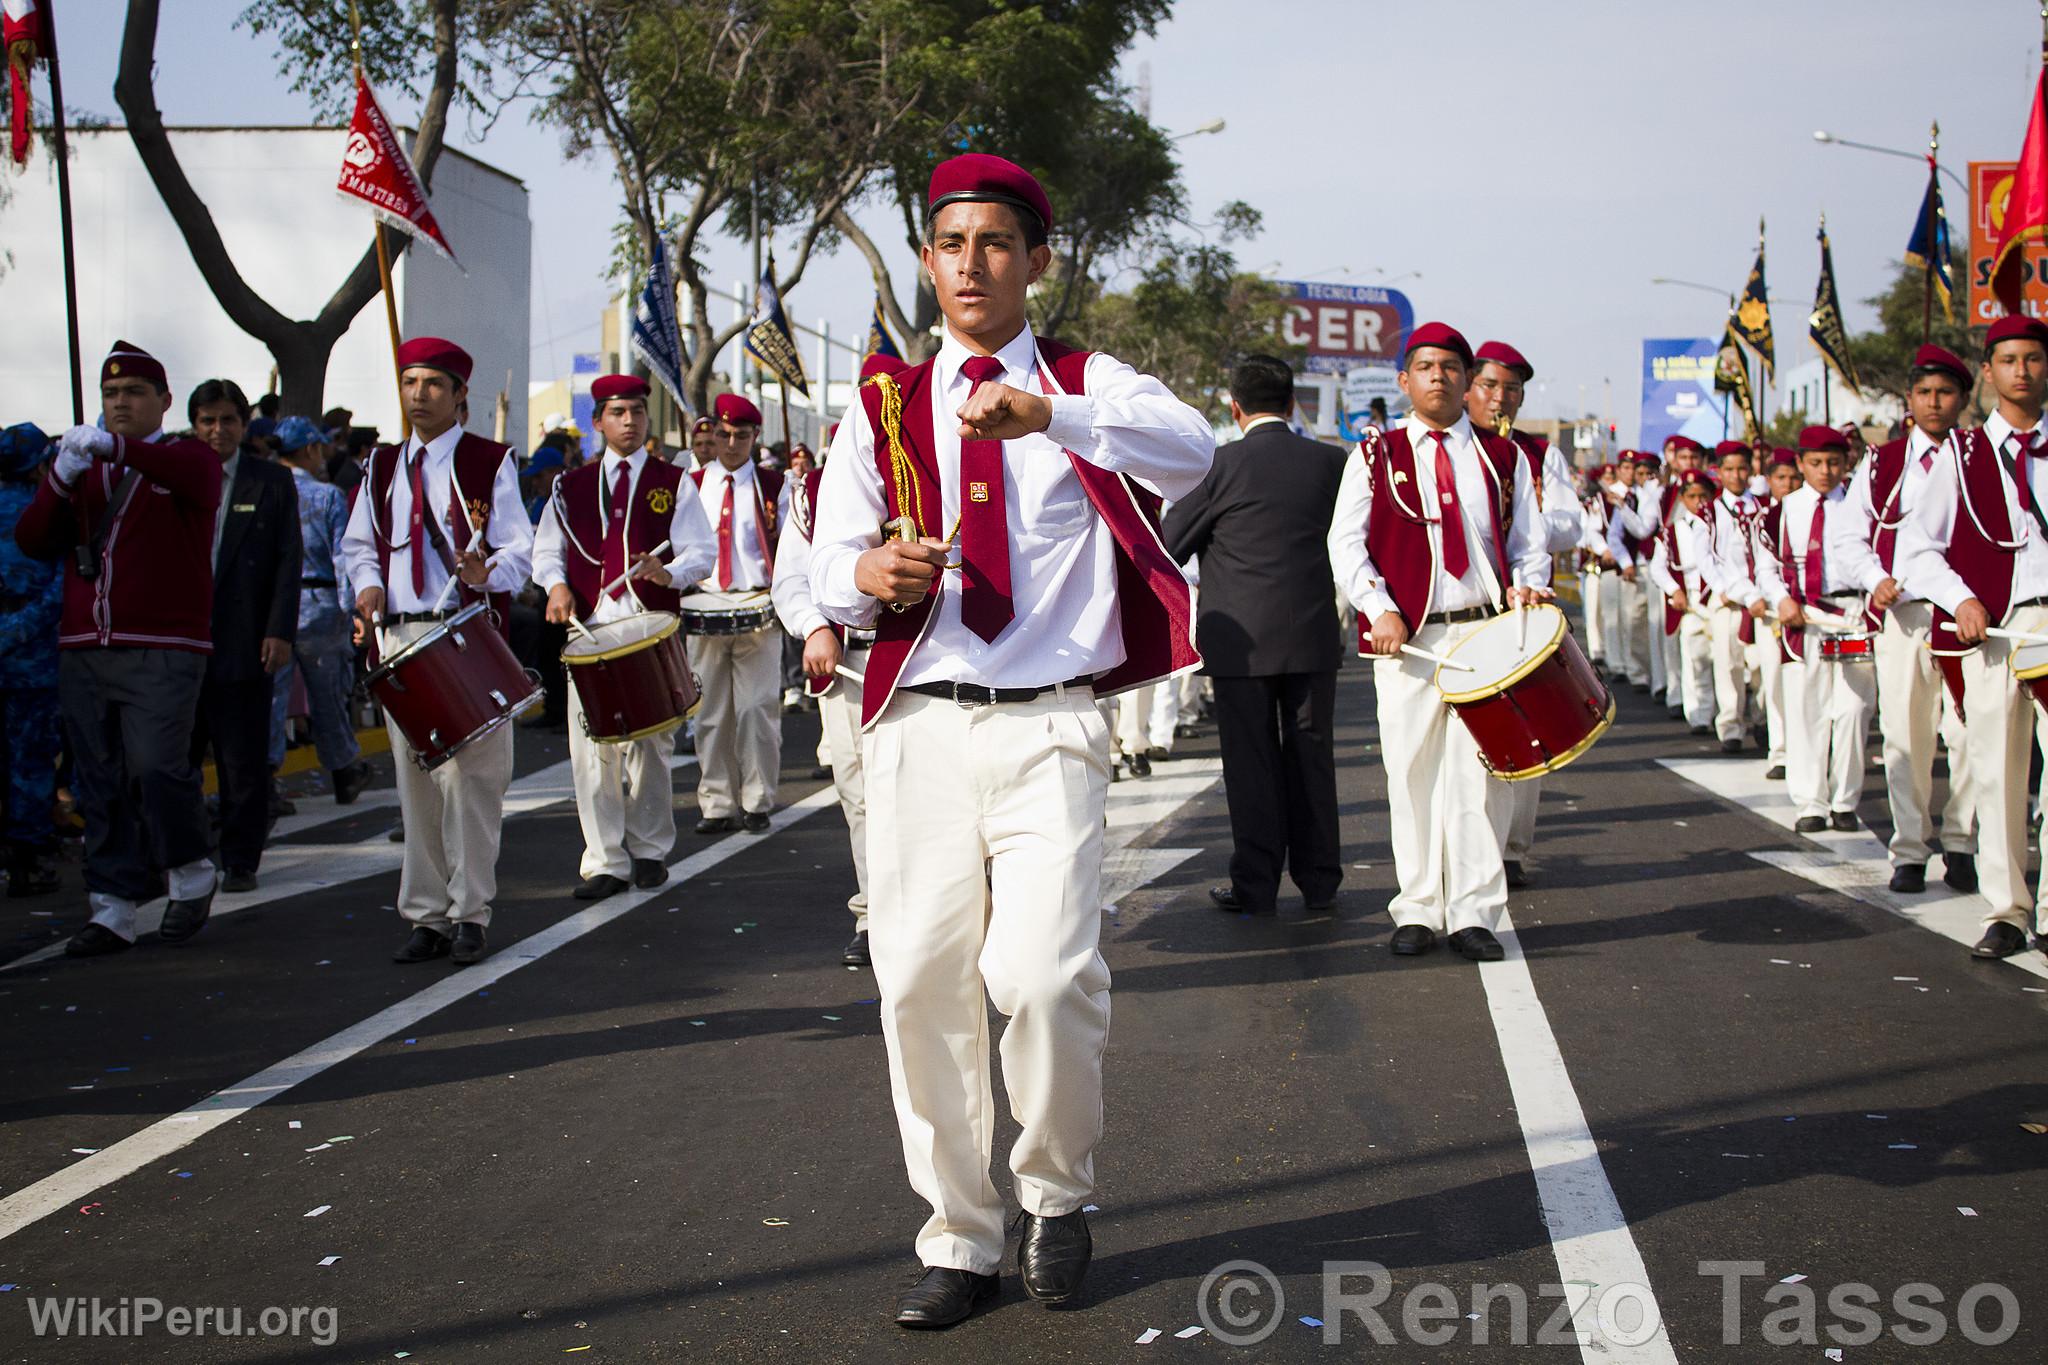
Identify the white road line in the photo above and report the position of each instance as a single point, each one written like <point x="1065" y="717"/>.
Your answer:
<point x="65" y="1188"/>
<point x="1854" y="864"/>
<point x="1595" y="1250"/>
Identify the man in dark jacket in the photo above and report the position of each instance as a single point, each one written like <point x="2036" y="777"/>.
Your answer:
<point x="257" y="555"/>
<point x="1267" y="629"/>
<point x="31" y="600"/>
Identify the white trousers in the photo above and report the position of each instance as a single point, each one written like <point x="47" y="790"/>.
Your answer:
<point x="1145" y="717"/>
<point x="1592" y="603"/>
<point x="1767" y="662"/>
<point x="985" y="883"/>
<point x="1665" y="660"/>
<point x="739" y="721"/>
<point x="1519" y="800"/>
<point x="1610" y="620"/>
<point x="839" y="720"/>
<point x="1447" y="812"/>
<point x="1827" y="717"/>
<point x="2000" y="719"/>
<point x="453" y="819"/>
<point x="1729" y="662"/>
<point x="1633" y="631"/>
<point x="1695" y="668"/>
<point x="1913" y="707"/>
<point x="625" y="798"/>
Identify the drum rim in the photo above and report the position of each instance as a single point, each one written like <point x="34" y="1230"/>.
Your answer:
<point x="2030" y="674"/>
<point x="1527" y="667"/>
<point x="650" y="731"/>
<point x="411" y="647"/>
<point x="511" y="713"/>
<point x="1551" y="765"/>
<point x="675" y="623"/>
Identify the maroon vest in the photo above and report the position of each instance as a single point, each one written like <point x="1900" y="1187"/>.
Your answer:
<point x="767" y="494"/>
<point x="476" y="467"/>
<point x="580" y="500"/>
<point x="1672" y="616"/>
<point x="1155" y="604"/>
<point x="803" y="519"/>
<point x="1532" y="450"/>
<point x="1983" y="549"/>
<point x="1887" y="481"/>
<point x="1397" y="533"/>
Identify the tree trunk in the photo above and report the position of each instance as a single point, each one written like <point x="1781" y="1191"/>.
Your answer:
<point x="301" y="373"/>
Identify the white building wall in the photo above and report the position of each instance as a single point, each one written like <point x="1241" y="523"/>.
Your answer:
<point x="271" y="193"/>
<point x="1800" y="389"/>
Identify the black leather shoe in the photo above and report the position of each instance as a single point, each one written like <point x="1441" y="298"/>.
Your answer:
<point x="1642" y="689"/>
<point x="182" y="919"/>
<point x="1845" y="821"/>
<point x="755" y="822"/>
<point x="943" y="1296"/>
<point x="1326" y="906"/>
<point x="349" y="782"/>
<point x="855" y="954"/>
<point x="1052" y="1256"/>
<point x="1226" y="899"/>
<point x="2000" y="940"/>
<point x="1702" y="730"/>
<point x="1909" y="879"/>
<point x="598" y="887"/>
<point x="1775" y="773"/>
<point x="1158" y="754"/>
<point x="1810" y="824"/>
<point x="95" y="940"/>
<point x="1961" y="871"/>
<point x="821" y="774"/>
<point x="1517" y="877"/>
<point x="424" y="946"/>
<point x="1413" y="940"/>
<point x="469" y="944"/>
<point x="649" y="873"/>
<point x="717" y="824"/>
<point x="1477" y="944"/>
<point x="1141" y="766"/>
<point x="1731" y="746"/>
<point x="238" y="881"/>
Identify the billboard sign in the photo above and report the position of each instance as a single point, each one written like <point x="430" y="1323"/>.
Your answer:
<point x="1361" y="386"/>
<point x="1990" y="187"/>
<point x="1345" y="326"/>
<point x="1678" y="392"/>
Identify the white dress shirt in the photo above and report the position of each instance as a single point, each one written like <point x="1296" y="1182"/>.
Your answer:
<point x="1641" y="515"/>
<point x="693" y="548"/>
<point x="1922" y="554"/>
<point x="749" y="559"/>
<point x="1700" y="568"/>
<point x="1735" y="521"/>
<point x="1062" y="555"/>
<point x="1852" y="538"/>
<point x="1772" y="577"/>
<point x="1560" y="502"/>
<point x="510" y="533"/>
<point x="1527" y="534"/>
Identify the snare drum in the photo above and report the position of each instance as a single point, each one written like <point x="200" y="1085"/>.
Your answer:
<point x="1533" y="706"/>
<point x="453" y="685"/>
<point x="2029" y="664"/>
<point x="714" y="612"/>
<point x="632" y="677"/>
<point x="1839" y="648"/>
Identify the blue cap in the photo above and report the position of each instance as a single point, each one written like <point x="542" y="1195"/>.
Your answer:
<point x="22" y="448"/>
<point x="296" y="433"/>
<point x="547" y="457"/>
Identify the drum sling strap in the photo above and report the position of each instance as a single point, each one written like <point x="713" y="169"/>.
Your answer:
<point x="93" y="552"/>
<point x="2020" y="481"/>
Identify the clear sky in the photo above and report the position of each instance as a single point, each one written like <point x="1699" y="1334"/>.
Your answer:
<point x="1536" y="163"/>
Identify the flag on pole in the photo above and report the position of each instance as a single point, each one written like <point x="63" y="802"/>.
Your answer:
<point x="656" y="336"/>
<point x="1830" y="336"/>
<point x="2026" y="208"/>
<point x="1731" y="375"/>
<point x="1752" y="319"/>
<point x="769" y="338"/>
<point x="1929" y="248"/>
<point x="26" y="34"/>
<point x="879" y="340"/>
<point x="376" y="171"/>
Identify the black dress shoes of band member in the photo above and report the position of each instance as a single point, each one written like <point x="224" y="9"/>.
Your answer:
<point x="649" y="873"/>
<point x="1141" y="765"/>
<point x="95" y="940"/>
<point x="717" y="824"/>
<point x="423" y="946"/>
<point x="2000" y="940"/>
<point x="1810" y="824"/>
<point x="182" y="919"/>
<point x="349" y="782"/>
<point x="1775" y="773"/>
<point x="1413" y="940"/>
<point x="1477" y="944"/>
<point x="1960" y="872"/>
<point x="1909" y="879"/>
<point x="1845" y="821"/>
<point x="1052" y="1256"/>
<point x="754" y="822"/>
<point x="468" y="946"/>
<point x="1518" y="877"/>
<point x="1226" y="899"/>
<point x="856" y="951"/>
<point x="236" y="881"/>
<point x="943" y="1296"/>
<point x="1731" y="746"/>
<point x="597" y="888"/>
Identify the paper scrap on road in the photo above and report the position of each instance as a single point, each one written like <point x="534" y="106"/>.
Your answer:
<point x="329" y="1260"/>
<point x="1186" y="1332"/>
<point x="1148" y="1336"/>
<point x="1903" y="1147"/>
<point x="2030" y="1127"/>
<point x="774" y="1222"/>
<point x="291" y="1123"/>
<point x="1966" y="1212"/>
<point x="321" y="1148"/>
<point x="1792" y="1279"/>
<point x="315" y="1213"/>
<point x="1311" y="1322"/>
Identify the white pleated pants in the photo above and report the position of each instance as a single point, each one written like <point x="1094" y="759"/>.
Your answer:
<point x="2000" y="719"/>
<point x="1913" y="708"/>
<point x="625" y="798"/>
<point x="739" y="721"/>
<point x="1730" y="666"/>
<point x="1827" y="716"/>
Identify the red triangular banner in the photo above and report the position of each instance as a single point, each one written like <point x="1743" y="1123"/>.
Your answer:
<point x="2026" y="209"/>
<point x="376" y="171"/>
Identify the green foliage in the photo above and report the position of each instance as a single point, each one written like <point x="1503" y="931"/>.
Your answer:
<point x="1884" y="357"/>
<point x="313" y="38"/>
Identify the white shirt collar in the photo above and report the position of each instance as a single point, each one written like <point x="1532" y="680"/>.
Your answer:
<point x="613" y="458"/>
<point x="441" y="447"/>
<point x="1261" y="420"/>
<point x="743" y="475"/>
<point x="1019" y="356"/>
<point x="1418" y="430"/>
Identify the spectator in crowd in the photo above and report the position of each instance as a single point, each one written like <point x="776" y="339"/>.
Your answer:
<point x="345" y="470"/>
<point x="264" y="422"/>
<point x="801" y="460"/>
<point x="256" y="557"/>
<point x="31" y="599"/>
<point x="337" y="419"/>
<point x="323" y="655"/>
<point x="537" y="480"/>
<point x="703" y="435"/>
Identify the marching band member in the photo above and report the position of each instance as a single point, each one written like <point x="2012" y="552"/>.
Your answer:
<point x="1685" y="569"/>
<point x="1977" y="547"/>
<point x="1681" y="457"/>
<point x="1629" y="538"/>
<point x="1913" y="701"/>
<point x="604" y="520"/>
<point x="408" y="533"/>
<point x="1827" y="703"/>
<point x="1436" y="529"/>
<point x="703" y="442"/>
<point x="1596" y="571"/>
<point x="1731" y="628"/>
<point x="985" y="754"/>
<point x="739" y="718"/>
<point x="1767" y="656"/>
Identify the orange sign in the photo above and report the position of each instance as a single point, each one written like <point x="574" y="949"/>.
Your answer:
<point x="1990" y="187"/>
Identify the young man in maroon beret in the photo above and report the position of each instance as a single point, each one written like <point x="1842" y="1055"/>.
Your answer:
<point x="1977" y="547"/>
<point x="1730" y="627"/>
<point x="132" y="516"/>
<point x="1686" y="572"/>
<point x="985" y="513"/>
<point x="1632" y="539"/>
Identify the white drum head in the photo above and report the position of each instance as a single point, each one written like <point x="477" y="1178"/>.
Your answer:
<point x="617" y="637"/>
<point x="709" y="600"/>
<point x="2029" y="660"/>
<point x="1494" y="656"/>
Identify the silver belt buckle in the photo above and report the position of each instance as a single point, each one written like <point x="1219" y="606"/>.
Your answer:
<point x="969" y="702"/>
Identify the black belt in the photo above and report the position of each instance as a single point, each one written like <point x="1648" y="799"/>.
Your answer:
<point x="412" y="618"/>
<point x="317" y="583"/>
<point x="974" y="694"/>
<point x="1841" y="597"/>
<point x="1458" y="618"/>
<point x="2031" y="602"/>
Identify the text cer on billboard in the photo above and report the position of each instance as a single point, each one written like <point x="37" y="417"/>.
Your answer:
<point x="1343" y="326"/>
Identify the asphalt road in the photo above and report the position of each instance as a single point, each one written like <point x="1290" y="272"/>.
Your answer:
<point x="660" y="1131"/>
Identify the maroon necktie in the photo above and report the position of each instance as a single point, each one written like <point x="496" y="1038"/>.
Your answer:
<point x="416" y="521"/>
<point x="1814" y="582"/>
<point x="1457" y="559"/>
<point x="985" y="605"/>
<point x="615" y="528"/>
<point x="725" y="536"/>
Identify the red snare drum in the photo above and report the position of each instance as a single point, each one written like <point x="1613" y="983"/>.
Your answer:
<point x="2029" y="664"/>
<point x="453" y="685"/>
<point x="632" y="677"/>
<point x="1533" y="706"/>
<point x="1839" y="648"/>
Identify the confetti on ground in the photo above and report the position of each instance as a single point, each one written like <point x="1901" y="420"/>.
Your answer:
<point x="410" y="1041"/>
<point x="572" y="1350"/>
<point x="2035" y="990"/>
<point x="2030" y="1127"/>
<point x="321" y="1148"/>
<point x="184" y="1175"/>
<point x="1681" y="824"/>
<point x="1877" y="1116"/>
<point x="1186" y="1332"/>
<point x="1148" y="1336"/>
<point x="291" y="1123"/>
<point x="119" y="1068"/>
<point x="833" y="1017"/>
<point x="1967" y="1213"/>
<point x="774" y="1222"/>
<point x="696" y="1023"/>
<point x="343" y="1138"/>
<point x="315" y="1213"/>
<point x="324" y="962"/>
<point x="1311" y="1322"/>
<point x="8" y="1288"/>
<point x="1792" y="1279"/>
<point x="329" y="1260"/>
<point x="88" y="1208"/>
<point x="85" y="1151"/>
<point x="1091" y="1208"/>
<point x="1833" y="1353"/>
<point x="1781" y="962"/>
<point x="1903" y="1147"/>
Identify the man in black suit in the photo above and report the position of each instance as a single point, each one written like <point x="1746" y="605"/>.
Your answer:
<point x="1267" y="627"/>
<point x="257" y="557"/>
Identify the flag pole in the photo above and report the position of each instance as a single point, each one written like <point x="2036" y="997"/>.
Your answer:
<point x="64" y="217"/>
<point x="1827" y="383"/>
<point x="355" y="48"/>
<point x="1927" y="225"/>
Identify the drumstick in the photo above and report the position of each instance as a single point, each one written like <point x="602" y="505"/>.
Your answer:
<point x="843" y="671"/>
<point x="1521" y="626"/>
<point x="2001" y="633"/>
<point x="621" y="579"/>
<point x="454" y="578"/>
<point x="1444" y="660"/>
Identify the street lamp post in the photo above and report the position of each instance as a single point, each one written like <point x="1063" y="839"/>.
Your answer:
<point x="1214" y="125"/>
<point x="1823" y="136"/>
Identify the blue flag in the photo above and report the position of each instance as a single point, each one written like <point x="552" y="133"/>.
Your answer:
<point x="1929" y="249"/>
<point x="656" y="337"/>
<point x="879" y="340"/>
<point x="769" y="338"/>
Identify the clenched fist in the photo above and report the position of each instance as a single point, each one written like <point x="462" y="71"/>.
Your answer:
<point x="900" y="572"/>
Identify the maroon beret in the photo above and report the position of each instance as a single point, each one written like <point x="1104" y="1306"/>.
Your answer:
<point x="1648" y="458"/>
<point x="129" y="361"/>
<point x="734" y="410"/>
<point x="1697" y="478"/>
<point x="1500" y="353"/>
<point x="435" y="353"/>
<point x="2013" y="327"/>
<point x="606" y="387"/>
<point x="1782" y="455"/>
<point x="879" y="363"/>
<point x="979" y="178"/>
<point x="1933" y="357"/>
<point x="1723" y="449"/>
<point x="1441" y="335"/>
<point x="702" y="424"/>
<point x="1684" y="443"/>
<point x="1822" y="438"/>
